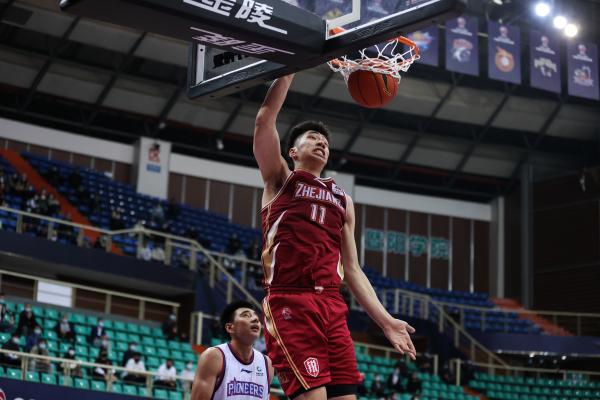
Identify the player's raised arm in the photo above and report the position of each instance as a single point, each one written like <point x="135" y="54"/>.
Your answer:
<point x="395" y="330"/>
<point x="210" y="365"/>
<point x="267" y="151"/>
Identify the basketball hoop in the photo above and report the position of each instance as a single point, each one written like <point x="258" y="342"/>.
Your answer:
<point x="385" y="58"/>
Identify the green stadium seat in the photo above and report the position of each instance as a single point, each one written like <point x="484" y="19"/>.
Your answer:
<point x="51" y="313"/>
<point x="63" y="347"/>
<point x="13" y="373"/>
<point x="81" y="330"/>
<point x="98" y="385"/>
<point x="93" y="352"/>
<point x="48" y="325"/>
<point x="121" y="336"/>
<point x="130" y="390"/>
<point x="147" y="341"/>
<point x="132" y="328"/>
<point x="163" y="353"/>
<point x="65" y="380"/>
<point x="190" y="356"/>
<point x="152" y="362"/>
<point x="117" y="388"/>
<point x="157" y="332"/>
<point x="32" y="377"/>
<point x="81" y="383"/>
<point x="162" y="342"/>
<point x="174" y="395"/>
<point x="150" y="350"/>
<point x="92" y="321"/>
<point x="110" y="334"/>
<point x="161" y="394"/>
<point x="145" y="330"/>
<point x="48" y="379"/>
<point x="133" y="337"/>
<point x="121" y="346"/>
<point x="142" y="391"/>
<point x="173" y="345"/>
<point x="215" y="342"/>
<point x="108" y="323"/>
<point x="4" y="337"/>
<point x="52" y="344"/>
<point x="176" y="354"/>
<point x="81" y="339"/>
<point x="81" y="350"/>
<point x="78" y="319"/>
<point x="37" y="311"/>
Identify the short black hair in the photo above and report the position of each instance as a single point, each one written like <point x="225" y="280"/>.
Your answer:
<point x="304" y="127"/>
<point x="228" y="313"/>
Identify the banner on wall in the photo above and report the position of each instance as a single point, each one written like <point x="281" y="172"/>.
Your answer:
<point x="427" y="40"/>
<point x="504" y="52"/>
<point x="396" y="243"/>
<point x="152" y="167"/>
<point x="462" y="45"/>
<point x="544" y="56"/>
<point x="582" y="70"/>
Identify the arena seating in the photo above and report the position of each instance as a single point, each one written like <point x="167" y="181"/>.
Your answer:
<point x="528" y="388"/>
<point x="154" y="346"/>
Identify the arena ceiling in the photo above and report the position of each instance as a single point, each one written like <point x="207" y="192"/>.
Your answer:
<point x="446" y="134"/>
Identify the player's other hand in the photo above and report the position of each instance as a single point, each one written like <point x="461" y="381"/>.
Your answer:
<point x="398" y="333"/>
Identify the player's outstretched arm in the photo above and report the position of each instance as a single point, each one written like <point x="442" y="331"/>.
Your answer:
<point x="266" y="147"/>
<point x="397" y="331"/>
<point x="210" y="364"/>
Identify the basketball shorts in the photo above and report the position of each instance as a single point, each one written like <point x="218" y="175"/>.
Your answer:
<point x="308" y="339"/>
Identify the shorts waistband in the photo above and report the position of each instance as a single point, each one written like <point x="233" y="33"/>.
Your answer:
<point x="302" y="289"/>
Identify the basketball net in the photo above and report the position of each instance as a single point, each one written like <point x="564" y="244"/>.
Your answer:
<point x="391" y="59"/>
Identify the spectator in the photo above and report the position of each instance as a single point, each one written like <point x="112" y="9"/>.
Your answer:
<point x="414" y="383"/>
<point x="10" y="359"/>
<point x="53" y="205"/>
<point x="145" y="253"/>
<point x="34" y="338"/>
<point x="378" y="387"/>
<point x="73" y="367"/>
<point x="64" y="329"/>
<point x="131" y="350"/>
<point x="158" y="254"/>
<point x="157" y="214"/>
<point x="101" y="242"/>
<point x="254" y="252"/>
<point x="7" y="320"/>
<point x="53" y="176"/>
<point x="31" y="205"/>
<point x="135" y="365"/>
<point x="233" y="244"/>
<point x="105" y="373"/>
<point x="66" y="232"/>
<point x="97" y="333"/>
<point x="43" y="202"/>
<point x="116" y="221"/>
<point x="188" y="375"/>
<point x="169" y="323"/>
<point x="447" y="375"/>
<point x="167" y="375"/>
<point x="27" y="321"/>
<point x="38" y="364"/>
<point x="395" y="380"/>
<point x="105" y="343"/>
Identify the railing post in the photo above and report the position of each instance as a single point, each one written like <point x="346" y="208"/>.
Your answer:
<point x="456" y="338"/>
<point x="483" y="318"/>
<point x="578" y="325"/>
<point x="441" y="321"/>
<point x="149" y="385"/>
<point x="211" y="275"/>
<point x="50" y="230"/>
<point x="19" y="227"/>
<point x="229" y="291"/>
<point x="168" y="251"/>
<point x="199" y="327"/>
<point x="80" y="237"/>
<point x="458" y="370"/>
<point x="462" y="316"/>
<point x="109" y="244"/>
<point x="193" y="258"/>
<point x="436" y="364"/>
<point x="397" y="301"/>
<point x="244" y="274"/>
<point x="472" y="350"/>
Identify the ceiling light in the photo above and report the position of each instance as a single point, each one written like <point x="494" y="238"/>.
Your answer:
<point x="542" y="9"/>
<point x="498" y="2"/>
<point x="220" y="144"/>
<point x="559" y="22"/>
<point x="571" y="30"/>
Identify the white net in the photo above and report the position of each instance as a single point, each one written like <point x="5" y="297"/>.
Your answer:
<point x="392" y="57"/>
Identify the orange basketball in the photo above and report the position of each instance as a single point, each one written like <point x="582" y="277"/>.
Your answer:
<point x="372" y="89"/>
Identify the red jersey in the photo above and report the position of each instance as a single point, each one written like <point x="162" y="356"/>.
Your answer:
<point x="302" y="233"/>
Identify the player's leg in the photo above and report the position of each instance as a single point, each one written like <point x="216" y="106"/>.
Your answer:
<point x="315" y="394"/>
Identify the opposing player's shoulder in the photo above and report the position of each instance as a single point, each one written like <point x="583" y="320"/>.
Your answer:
<point x="211" y="359"/>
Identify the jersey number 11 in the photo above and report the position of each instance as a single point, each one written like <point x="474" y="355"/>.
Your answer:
<point x="317" y="211"/>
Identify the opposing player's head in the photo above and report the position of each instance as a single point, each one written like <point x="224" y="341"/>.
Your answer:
<point x="240" y="322"/>
<point x="308" y="145"/>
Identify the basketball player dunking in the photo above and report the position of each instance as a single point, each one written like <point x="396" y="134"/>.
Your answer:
<point x="309" y="248"/>
<point x="234" y="370"/>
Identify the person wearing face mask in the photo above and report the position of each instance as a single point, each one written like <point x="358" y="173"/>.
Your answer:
<point x="27" y="321"/>
<point x="38" y="364"/>
<point x="96" y="334"/>
<point x="169" y="324"/>
<point x="131" y="350"/>
<point x="7" y="320"/>
<point x="34" y="338"/>
<point x="105" y="343"/>
<point x="167" y="375"/>
<point x="75" y="368"/>
<point x="134" y="365"/>
<point x="64" y="329"/>
<point x="104" y="373"/>
<point x="187" y="375"/>
<point x="8" y="358"/>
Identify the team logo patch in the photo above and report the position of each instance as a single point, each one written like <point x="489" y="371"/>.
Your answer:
<point x="311" y="365"/>
<point x="337" y="190"/>
<point x="286" y="313"/>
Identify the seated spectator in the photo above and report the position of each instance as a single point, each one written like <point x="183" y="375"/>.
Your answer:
<point x="134" y="365"/>
<point x="167" y="375"/>
<point x="158" y="254"/>
<point x="27" y="321"/>
<point x="234" y="244"/>
<point x="414" y="383"/>
<point x="187" y="376"/>
<point x="64" y="329"/>
<point x="101" y="242"/>
<point x="43" y="202"/>
<point x="53" y="205"/>
<point x="53" y="176"/>
<point x="10" y="359"/>
<point x="31" y="205"/>
<point x="378" y="388"/>
<point x="169" y="323"/>
<point x="105" y="343"/>
<point x="395" y="380"/>
<point x="254" y="251"/>
<point x="145" y="253"/>
<point x="131" y="350"/>
<point x="116" y="220"/>
<point x="96" y="334"/>
<point x="7" y="320"/>
<point x="34" y="338"/>
<point x="73" y="367"/>
<point x="66" y="232"/>
<point x="38" y="364"/>
<point x="157" y="214"/>
<point x="105" y="373"/>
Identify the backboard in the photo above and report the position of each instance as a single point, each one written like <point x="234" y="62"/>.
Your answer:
<point x="216" y="72"/>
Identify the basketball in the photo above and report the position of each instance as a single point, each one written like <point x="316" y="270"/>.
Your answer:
<point x="372" y="89"/>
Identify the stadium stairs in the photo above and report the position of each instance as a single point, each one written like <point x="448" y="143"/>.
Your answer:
<point x="547" y="326"/>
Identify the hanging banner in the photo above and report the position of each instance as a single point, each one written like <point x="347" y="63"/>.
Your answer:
<point x="582" y="70"/>
<point x="462" y="47"/>
<point x="427" y="40"/>
<point x="504" y="52"/>
<point x="545" y="62"/>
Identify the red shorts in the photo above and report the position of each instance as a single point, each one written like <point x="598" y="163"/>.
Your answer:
<point x="308" y="339"/>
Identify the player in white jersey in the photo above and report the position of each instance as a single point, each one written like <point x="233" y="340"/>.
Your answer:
<point x="234" y="370"/>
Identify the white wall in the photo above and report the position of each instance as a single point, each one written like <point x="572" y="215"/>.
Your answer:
<point x="231" y="173"/>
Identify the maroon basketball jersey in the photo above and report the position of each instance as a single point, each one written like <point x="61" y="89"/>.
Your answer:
<point x="302" y="233"/>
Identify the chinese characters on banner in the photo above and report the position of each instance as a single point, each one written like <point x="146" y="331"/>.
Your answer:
<point x="396" y="243"/>
<point x="504" y="52"/>
<point x="462" y="46"/>
<point x="545" y="61"/>
<point x="427" y="40"/>
<point x="582" y="70"/>
<point x="207" y="37"/>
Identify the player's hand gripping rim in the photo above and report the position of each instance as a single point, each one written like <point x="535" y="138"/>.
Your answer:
<point x="398" y="333"/>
